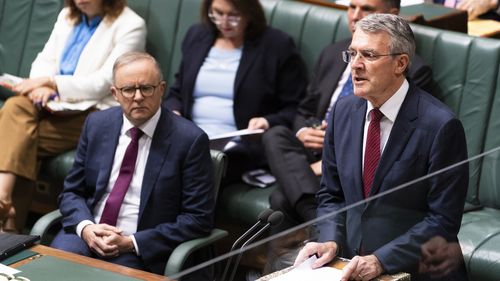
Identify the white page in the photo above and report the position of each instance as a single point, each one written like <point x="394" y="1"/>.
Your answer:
<point x="8" y="270"/>
<point x="305" y="272"/>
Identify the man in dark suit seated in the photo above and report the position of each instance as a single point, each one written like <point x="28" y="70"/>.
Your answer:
<point x="390" y="132"/>
<point x="300" y="149"/>
<point x="142" y="180"/>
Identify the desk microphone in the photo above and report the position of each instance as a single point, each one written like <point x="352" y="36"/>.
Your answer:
<point x="261" y="219"/>
<point x="274" y="219"/>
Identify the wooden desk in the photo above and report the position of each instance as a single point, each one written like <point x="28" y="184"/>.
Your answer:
<point x="339" y="263"/>
<point x="47" y="251"/>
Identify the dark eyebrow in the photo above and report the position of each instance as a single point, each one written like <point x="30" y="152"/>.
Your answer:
<point x="364" y="8"/>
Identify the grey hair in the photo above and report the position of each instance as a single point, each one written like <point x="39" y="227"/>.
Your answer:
<point x="134" y="56"/>
<point x="402" y="39"/>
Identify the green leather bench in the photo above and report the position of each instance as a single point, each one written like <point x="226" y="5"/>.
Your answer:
<point x="466" y="71"/>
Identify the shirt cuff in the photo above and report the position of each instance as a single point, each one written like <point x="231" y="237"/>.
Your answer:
<point x="81" y="225"/>
<point x="136" y="248"/>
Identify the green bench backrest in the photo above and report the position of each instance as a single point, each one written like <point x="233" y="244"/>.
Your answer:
<point x="489" y="185"/>
<point x="25" y="26"/>
<point x="465" y="70"/>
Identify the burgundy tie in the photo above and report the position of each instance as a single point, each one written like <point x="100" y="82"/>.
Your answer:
<point x="372" y="150"/>
<point x="115" y="198"/>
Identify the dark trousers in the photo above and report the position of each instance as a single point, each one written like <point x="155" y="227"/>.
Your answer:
<point x="290" y="162"/>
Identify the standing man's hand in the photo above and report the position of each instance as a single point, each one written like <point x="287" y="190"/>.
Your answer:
<point x="94" y="235"/>
<point x="362" y="268"/>
<point x="325" y="251"/>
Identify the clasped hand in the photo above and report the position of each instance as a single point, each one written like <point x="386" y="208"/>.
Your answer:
<point x="38" y="90"/>
<point x="359" y="268"/>
<point x="106" y="240"/>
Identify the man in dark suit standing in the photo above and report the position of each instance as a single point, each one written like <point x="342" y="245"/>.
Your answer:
<point x="390" y="132"/>
<point x="142" y="179"/>
<point x="301" y="149"/>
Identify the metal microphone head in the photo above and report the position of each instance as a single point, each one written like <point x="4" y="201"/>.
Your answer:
<point x="275" y="218"/>
<point x="264" y="215"/>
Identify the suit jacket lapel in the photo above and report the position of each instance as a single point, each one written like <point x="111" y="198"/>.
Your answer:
<point x="248" y="57"/>
<point x="109" y="141"/>
<point x="160" y="145"/>
<point x="358" y="120"/>
<point x="333" y="77"/>
<point x="400" y="134"/>
<point x="194" y="63"/>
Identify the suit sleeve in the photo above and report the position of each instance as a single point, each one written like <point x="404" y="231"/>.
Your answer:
<point x="72" y="200"/>
<point x="291" y="83"/>
<point x="310" y="103"/>
<point x="446" y="198"/>
<point x="330" y="197"/>
<point x="196" y="214"/>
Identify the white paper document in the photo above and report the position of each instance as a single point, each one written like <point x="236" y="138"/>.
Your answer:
<point x="8" y="270"/>
<point x="305" y="272"/>
<point x="56" y="106"/>
<point x="223" y="141"/>
<point x="9" y="81"/>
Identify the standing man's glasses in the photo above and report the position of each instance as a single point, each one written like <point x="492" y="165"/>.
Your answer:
<point x="348" y="56"/>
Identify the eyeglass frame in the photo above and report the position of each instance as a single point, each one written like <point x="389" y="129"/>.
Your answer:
<point x="233" y="21"/>
<point x="138" y="87"/>
<point x="371" y="58"/>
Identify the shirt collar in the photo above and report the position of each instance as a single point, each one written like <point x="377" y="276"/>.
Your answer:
<point x="391" y="107"/>
<point x="148" y="127"/>
<point x="93" y="22"/>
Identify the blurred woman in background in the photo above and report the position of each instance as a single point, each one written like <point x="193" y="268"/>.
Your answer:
<point x="75" y="66"/>
<point x="237" y="73"/>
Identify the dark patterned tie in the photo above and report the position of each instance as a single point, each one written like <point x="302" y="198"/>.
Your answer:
<point x="372" y="150"/>
<point x="115" y="199"/>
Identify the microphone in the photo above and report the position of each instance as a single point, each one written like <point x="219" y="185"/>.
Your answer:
<point x="261" y="219"/>
<point x="274" y="219"/>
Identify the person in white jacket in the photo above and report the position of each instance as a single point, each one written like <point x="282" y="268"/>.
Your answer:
<point x="74" y="67"/>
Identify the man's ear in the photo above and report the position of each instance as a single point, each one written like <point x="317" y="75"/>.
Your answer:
<point x="403" y="62"/>
<point x="394" y="11"/>
<point x="114" y="93"/>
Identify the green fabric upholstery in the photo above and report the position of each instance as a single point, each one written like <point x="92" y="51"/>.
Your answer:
<point x="25" y="26"/>
<point x="181" y="252"/>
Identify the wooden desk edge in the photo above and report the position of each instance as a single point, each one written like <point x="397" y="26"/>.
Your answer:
<point x="339" y="263"/>
<point x="135" y="273"/>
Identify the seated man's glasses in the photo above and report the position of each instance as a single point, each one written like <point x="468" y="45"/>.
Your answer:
<point x="146" y="90"/>
<point x="217" y="18"/>
<point x="349" y="55"/>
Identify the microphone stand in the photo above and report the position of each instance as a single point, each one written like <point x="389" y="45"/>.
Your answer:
<point x="274" y="219"/>
<point x="263" y="217"/>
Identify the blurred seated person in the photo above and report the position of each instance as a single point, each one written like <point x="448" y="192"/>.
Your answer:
<point x="237" y="73"/>
<point x="475" y="8"/>
<point x="75" y="65"/>
<point x="388" y="133"/>
<point x="142" y="180"/>
<point x="301" y="148"/>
